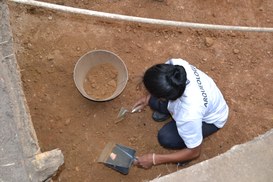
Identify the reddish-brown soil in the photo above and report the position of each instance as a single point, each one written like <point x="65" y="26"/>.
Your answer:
<point x="101" y="81"/>
<point x="49" y="43"/>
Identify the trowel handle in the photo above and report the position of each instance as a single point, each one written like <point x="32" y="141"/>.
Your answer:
<point x="136" y="109"/>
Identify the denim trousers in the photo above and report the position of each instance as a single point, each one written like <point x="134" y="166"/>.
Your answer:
<point x="168" y="136"/>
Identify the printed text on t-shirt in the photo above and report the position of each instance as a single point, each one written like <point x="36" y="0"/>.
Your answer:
<point x="198" y="80"/>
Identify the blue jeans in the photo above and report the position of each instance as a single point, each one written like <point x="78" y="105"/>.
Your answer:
<point x="168" y="136"/>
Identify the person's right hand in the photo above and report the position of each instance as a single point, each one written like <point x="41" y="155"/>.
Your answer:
<point x="142" y="102"/>
<point x="145" y="161"/>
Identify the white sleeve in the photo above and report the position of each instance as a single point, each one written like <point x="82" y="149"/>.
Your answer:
<point x="190" y="132"/>
<point x="176" y="61"/>
<point x="169" y="61"/>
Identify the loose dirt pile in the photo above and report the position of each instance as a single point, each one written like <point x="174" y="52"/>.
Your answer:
<point x="101" y="81"/>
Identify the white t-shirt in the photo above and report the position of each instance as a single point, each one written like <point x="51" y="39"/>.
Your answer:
<point x="201" y="101"/>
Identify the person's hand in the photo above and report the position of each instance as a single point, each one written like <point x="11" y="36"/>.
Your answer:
<point x="142" y="102"/>
<point x="145" y="161"/>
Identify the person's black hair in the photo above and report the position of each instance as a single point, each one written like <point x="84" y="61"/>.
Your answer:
<point x="165" y="81"/>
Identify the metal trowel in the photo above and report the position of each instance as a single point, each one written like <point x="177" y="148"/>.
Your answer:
<point x="123" y="111"/>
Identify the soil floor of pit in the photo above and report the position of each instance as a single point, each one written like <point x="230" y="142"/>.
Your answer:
<point x="49" y="43"/>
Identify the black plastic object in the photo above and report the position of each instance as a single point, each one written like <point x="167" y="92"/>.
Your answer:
<point x="118" y="157"/>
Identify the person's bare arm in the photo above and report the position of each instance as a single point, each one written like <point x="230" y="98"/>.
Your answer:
<point x="148" y="160"/>
<point x="142" y="102"/>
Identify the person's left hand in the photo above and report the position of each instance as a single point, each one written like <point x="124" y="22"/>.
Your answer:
<point x="142" y="102"/>
<point x="145" y="161"/>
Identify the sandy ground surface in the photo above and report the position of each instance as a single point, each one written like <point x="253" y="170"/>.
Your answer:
<point x="49" y="43"/>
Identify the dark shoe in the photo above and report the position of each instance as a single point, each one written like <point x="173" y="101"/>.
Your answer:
<point x="159" y="117"/>
<point x="182" y="164"/>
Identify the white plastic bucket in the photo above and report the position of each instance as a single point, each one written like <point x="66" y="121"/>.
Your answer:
<point x="94" y="58"/>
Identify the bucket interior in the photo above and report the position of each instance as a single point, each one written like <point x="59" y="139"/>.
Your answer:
<point x="94" y="58"/>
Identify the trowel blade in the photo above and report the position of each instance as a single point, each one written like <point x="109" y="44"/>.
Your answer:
<point x="122" y="113"/>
